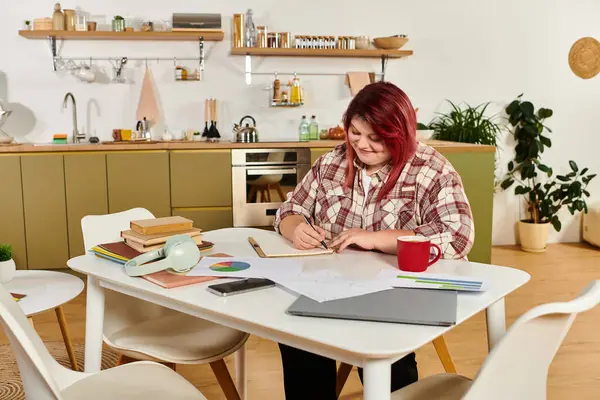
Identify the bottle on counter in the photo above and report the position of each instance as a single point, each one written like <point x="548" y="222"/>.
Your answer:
<point x="58" y="19"/>
<point x="304" y="134"/>
<point x="250" y="30"/>
<point x="313" y="128"/>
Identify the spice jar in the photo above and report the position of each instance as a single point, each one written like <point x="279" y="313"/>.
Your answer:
<point x="261" y="36"/>
<point x="272" y="40"/>
<point x="285" y="39"/>
<point x="362" y="42"/>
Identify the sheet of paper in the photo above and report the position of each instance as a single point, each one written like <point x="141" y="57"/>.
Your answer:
<point x="428" y="280"/>
<point x="247" y="267"/>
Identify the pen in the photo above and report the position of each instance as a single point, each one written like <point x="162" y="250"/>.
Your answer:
<point x="311" y="225"/>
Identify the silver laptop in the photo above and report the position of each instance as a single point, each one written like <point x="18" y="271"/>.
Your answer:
<point x="400" y="305"/>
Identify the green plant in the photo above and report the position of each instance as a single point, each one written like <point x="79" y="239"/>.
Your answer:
<point x="468" y="125"/>
<point x="5" y="252"/>
<point x="544" y="199"/>
<point x="118" y="18"/>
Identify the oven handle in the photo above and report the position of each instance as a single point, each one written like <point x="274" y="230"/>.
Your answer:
<point x="265" y="171"/>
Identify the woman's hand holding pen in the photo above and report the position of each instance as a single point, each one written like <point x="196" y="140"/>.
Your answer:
<point x="305" y="237"/>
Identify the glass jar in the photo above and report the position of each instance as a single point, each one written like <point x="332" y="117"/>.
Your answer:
<point x="272" y="40"/>
<point x="69" y="19"/>
<point x="261" y="36"/>
<point x="362" y="42"/>
<point x="285" y="40"/>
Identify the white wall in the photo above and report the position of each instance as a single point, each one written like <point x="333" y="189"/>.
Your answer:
<point x="465" y="50"/>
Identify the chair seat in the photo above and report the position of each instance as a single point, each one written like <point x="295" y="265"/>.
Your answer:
<point x="438" y="387"/>
<point x="179" y="338"/>
<point x="140" y="380"/>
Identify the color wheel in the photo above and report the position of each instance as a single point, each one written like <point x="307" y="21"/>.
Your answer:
<point x="230" y="266"/>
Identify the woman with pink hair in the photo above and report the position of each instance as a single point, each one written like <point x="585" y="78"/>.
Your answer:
<point x="378" y="185"/>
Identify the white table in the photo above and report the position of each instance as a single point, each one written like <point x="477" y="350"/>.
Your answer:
<point x="373" y="346"/>
<point x="47" y="290"/>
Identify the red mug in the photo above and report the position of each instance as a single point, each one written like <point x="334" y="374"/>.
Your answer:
<point x="414" y="253"/>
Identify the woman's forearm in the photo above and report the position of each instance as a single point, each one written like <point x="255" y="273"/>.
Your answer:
<point x="288" y="224"/>
<point x="387" y="240"/>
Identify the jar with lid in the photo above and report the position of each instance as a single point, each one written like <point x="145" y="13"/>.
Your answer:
<point x="272" y="40"/>
<point x="351" y="43"/>
<point x="58" y="19"/>
<point x="261" y="36"/>
<point x="285" y="40"/>
<point x="80" y="20"/>
<point x="69" y="19"/>
<point x="362" y="42"/>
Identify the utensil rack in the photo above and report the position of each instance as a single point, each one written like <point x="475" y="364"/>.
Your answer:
<point x="248" y="52"/>
<point x="200" y="58"/>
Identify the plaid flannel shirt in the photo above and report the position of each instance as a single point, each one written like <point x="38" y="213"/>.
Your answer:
<point x="428" y="198"/>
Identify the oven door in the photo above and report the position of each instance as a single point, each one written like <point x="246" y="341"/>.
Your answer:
<point x="260" y="188"/>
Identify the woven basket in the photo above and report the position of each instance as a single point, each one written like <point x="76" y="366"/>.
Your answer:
<point x="584" y="58"/>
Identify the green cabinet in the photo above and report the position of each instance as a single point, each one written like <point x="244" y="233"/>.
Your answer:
<point x="86" y="193"/>
<point x="476" y="170"/>
<point x="139" y="179"/>
<point x="12" y="220"/>
<point x="201" y="178"/>
<point x="317" y="152"/>
<point x="208" y="219"/>
<point x="45" y="210"/>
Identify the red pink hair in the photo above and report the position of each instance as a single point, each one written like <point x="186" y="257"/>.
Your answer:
<point x="389" y="112"/>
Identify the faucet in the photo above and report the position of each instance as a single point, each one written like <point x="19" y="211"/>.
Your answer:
<point x="77" y="137"/>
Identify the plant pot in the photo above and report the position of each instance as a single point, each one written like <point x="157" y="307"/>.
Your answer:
<point x="534" y="237"/>
<point x="7" y="270"/>
<point x="118" y="25"/>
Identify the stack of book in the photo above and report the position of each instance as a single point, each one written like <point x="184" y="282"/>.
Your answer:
<point x="151" y="234"/>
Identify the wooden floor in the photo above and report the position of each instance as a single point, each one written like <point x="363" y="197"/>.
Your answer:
<point x="557" y="275"/>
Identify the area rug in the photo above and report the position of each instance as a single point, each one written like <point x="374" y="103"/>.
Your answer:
<point x="11" y="387"/>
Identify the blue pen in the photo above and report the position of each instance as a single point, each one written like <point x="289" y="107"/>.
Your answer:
<point x="311" y="225"/>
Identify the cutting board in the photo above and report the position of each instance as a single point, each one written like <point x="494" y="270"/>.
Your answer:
<point x="148" y="105"/>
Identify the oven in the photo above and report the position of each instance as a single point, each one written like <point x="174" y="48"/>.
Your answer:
<point x="261" y="179"/>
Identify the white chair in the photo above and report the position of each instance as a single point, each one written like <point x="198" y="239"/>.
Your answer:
<point x="45" y="379"/>
<point x="517" y="368"/>
<point x="144" y="331"/>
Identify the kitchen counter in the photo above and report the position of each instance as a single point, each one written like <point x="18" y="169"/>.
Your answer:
<point x="447" y="147"/>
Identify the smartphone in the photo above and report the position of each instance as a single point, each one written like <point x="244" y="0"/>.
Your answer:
<point x="241" y="286"/>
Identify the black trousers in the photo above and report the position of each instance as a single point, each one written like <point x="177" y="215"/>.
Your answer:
<point x="308" y="376"/>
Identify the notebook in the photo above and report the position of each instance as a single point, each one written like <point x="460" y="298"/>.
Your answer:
<point x="399" y="305"/>
<point x="121" y="253"/>
<point x="281" y="247"/>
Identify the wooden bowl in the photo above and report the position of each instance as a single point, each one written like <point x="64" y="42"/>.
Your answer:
<point x="390" y="43"/>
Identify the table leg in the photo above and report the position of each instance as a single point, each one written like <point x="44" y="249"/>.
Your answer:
<point x="377" y="375"/>
<point x="240" y="371"/>
<point x="94" y="320"/>
<point x="62" y="323"/>
<point x="496" y="323"/>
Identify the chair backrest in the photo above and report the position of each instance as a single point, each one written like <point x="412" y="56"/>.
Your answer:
<point x="517" y="368"/>
<point x="99" y="229"/>
<point x="36" y="364"/>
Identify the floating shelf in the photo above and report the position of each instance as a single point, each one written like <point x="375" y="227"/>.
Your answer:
<point x="294" y="52"/>
<point x="209" y="35"/>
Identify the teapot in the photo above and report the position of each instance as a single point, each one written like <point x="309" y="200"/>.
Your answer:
<point x="247" y="133"/>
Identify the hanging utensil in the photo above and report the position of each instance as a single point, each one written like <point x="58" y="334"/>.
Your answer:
<point x="206" y="133"/>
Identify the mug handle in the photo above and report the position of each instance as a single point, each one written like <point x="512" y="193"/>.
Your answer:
<point x="437" y="256"/>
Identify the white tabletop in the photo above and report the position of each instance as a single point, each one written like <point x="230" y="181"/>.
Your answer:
<point x="265" y="310"/>
<point x="45" y="290"/>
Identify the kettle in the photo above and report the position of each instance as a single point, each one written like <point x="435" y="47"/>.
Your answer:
<point x="245" y="134"/>
<point x="145" y="131"/>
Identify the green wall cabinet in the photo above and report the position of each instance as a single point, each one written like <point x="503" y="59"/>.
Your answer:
<point x="139" y="179"/>
<point x="45" y="211"/>
<point x="201" y="178"/>
<point x="86" y="193"/>
<point x="476" y="170"/>
<point x="12" y="219"/>
<point x="208" y="219"/>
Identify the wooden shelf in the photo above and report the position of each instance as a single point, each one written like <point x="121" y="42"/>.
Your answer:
<point x="293" y="52"/>
<point x="211" y="35"/>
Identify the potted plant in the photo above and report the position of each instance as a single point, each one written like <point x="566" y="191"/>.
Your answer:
<point x="7" y="264"/>
<point x="27" y="25"/>
<point x="467" y="125"/>
<point x="544" y="194"/>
